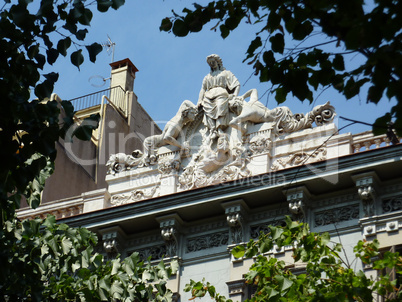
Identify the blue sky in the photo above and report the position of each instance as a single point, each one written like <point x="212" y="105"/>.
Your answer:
<point x="171" y="69"/>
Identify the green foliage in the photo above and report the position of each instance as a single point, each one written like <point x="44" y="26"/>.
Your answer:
<point x="351" y="28"/>
<point x="32" y="35"/>
<point x="326" y="277"/>
<point x="45" y="261"/>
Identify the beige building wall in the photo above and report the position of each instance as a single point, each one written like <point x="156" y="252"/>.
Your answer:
<point x="81" y="166"/>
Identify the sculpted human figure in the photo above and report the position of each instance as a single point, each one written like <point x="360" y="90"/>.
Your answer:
<point x="187" y="113"/>
<point x="284" y="120"/>
<point x="213" y="160"/>
<point x="218" y="87"/>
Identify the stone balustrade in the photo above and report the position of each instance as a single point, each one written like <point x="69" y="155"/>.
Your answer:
<point x="366" y="141"/>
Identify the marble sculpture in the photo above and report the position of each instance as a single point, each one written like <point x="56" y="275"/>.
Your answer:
<point x="211" y="142"/>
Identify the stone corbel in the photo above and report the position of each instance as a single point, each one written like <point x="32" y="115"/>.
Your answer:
<point x="236" y="212"/>
<point x="236" y="289"/>
<point x="367" y="185"/>
<point x="298" y="200"/>
<point x="170" y="226"/>
<point x="112" y="239"/>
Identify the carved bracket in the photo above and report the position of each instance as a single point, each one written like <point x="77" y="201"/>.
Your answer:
<point x="236" y="213"/>
<point x="298" y="200"/>
<point x="112" y="239"/>
<point x="236" y="287"/>
<point x="170" y="226"/>
<point x="367" y="185"/>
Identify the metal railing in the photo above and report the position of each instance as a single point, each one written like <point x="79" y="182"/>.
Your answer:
<point x="116" y="95"/>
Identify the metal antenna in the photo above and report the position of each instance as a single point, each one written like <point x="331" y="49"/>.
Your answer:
<point x="109" y="45"/>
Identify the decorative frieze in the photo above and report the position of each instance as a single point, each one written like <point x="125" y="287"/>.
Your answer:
<point x="135" y="195"/>
<point x="168" y="166"/>
<point x="255" y="230"/>
<point x="207" y="241"/>
<point x="336" y="215"/>
<point x="152" y="252"/>
<point x="299" y="158"/>
<point x="260" y="144"/>
<point x="392" y="204"/>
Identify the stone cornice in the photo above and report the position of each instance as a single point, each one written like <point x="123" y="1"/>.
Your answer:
<point x="211" y="195"/>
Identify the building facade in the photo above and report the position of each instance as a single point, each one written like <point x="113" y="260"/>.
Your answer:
<point x="224" y="169"/>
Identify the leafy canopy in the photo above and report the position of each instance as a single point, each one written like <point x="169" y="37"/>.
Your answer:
<point x="326" y="277"/>
<point x="326" y="33"/>
<point x="33" y="35"/>
<point x="45" y="261"/>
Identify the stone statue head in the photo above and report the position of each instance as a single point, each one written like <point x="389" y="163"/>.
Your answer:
<point x="217" y="59"/>
<point x="188" y="111"/>
<point x="236" y="105"/>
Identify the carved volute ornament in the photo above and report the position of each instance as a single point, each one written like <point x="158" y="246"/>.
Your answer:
<point x="218" y="139"/>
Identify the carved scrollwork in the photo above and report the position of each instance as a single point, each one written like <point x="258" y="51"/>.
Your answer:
<point x="135" y="195"/>
<point x="392" y="204"/>
<point x="255" y="230"/>
<point x="299" y="158"/>
<point x="207" y="241"/>
<point x="336" y="215"/>
<point x="155" y="252"/>
<point x="121" y="162"/>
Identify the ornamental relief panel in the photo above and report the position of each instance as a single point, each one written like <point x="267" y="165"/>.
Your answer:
<point x="155" y="252"/>
<point x="207" y="241"/>
<point x="212" y="139"/>
<point x="260" y="144"/>
<point x="392" y="204"/>
<point x="336" y="215"/>
<point x="299" y="158"/>
<point x="255" y="230"/>
<point x="135" y="195"/>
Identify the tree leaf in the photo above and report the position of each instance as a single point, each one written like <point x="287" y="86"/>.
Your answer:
<point x="66" y="245"/>
<point x="81" y="34"/>
<point x="277" y="43"/>
<point x="238" y="251"/>
<point x="93" y="50"/>
<point x="166" y="25"/>
<point x="117" y="3"/>
<point x="77" y="58"/>
<point x="84" y="130"/>
<point x="180" y="28"/>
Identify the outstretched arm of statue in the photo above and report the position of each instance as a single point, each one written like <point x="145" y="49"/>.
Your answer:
<point x="200" y="97"/>
<point x="253" y="94"/>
